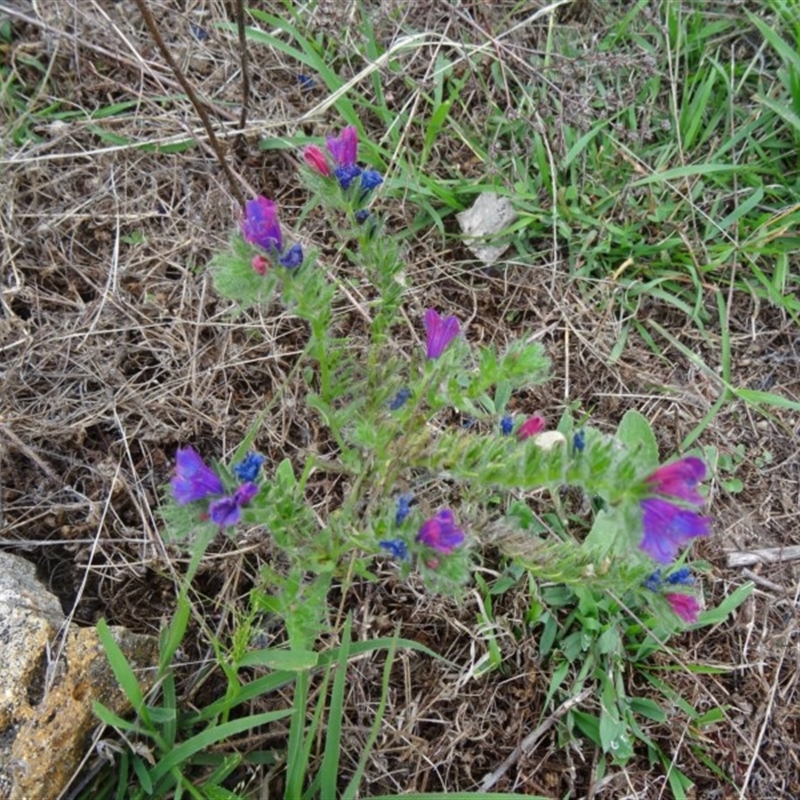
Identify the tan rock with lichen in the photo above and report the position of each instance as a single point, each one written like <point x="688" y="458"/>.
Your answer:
<point x="46" y="730"/>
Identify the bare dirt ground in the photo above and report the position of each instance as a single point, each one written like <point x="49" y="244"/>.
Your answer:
<point x="114" y="351"/>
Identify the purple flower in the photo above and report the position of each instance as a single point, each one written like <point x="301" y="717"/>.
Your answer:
<point x="506" y="425"/>
<point x="397" y="547"/>
<point x="667" y="524"/>
<point x="679" y="479"/>
<point x="224" y="512"/>
<point x="193" y="480"/>
<point x="684" y="605"/>
<point x="247" y="469"/>
<point x="260" y="224"/>
<point x="245" y="493"/>
<point x="260" y="227"/>
<point x="441" y="532"/>
<point x="228" y="510"/>
<point x="667" y="527"/>
<point x="403" y="508"/>
<point x="439" y="332"/>
<point x="344" y="148"/>
<point x="530" y="427"/>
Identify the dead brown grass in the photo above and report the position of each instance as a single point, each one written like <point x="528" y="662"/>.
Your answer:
<point x="115" y="351"/>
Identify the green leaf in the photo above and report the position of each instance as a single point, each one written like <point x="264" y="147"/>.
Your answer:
<point x="635" y="433"/>
<point x="122" y="670"/>
<point x="714" y="616"/>
<point x="184" y="751"/>
<point x="289" y="660"/>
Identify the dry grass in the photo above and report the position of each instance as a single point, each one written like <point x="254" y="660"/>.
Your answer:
<point x="115" y="351"/>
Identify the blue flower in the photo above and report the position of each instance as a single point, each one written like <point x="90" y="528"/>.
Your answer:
<point x="403" y="508"/>
<point x="292" y="258"/>
<point x="247" y="469"/>
<point x="507" y="425"/>
<point x="579" y="441"/>
<point x="306" y="83"/>
<point x="682" y="576"/>
<point x="397" y="547"/>
<point x="399" y="400"/>
<point x="346" y="174"/>
<point x="653" y="581"/>
<point x="370" y="178"/>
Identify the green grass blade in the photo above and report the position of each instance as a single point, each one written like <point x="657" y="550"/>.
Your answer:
<point x="352" y="787"/>
<point x="202" y="741"/>
<point x="122" y="671"/>
<point x="333" y="737"/>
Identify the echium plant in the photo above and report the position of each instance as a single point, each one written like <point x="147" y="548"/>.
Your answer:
<point x="416" y="487"/>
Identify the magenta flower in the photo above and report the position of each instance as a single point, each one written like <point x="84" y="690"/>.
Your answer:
<point x="684" y="605"/>
<point x="441" y="532"/>
<point x="260" y="226"/>
<point x="679" y="479"/>
<point x="193" y="480"/>
<point x="530" y="427"/>
<point x="344" y="147"/>
<point x="315" y="159"/>
<point x="438" y="332"/>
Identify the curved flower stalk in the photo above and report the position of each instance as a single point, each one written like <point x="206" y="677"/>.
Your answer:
<point x="668" y="524"/>
<point x="261" y="227"/>
<point x="343" y="153"/>
<point x="195" y="481"/>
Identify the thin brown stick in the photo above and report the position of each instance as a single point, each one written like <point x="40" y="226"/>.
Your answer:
<point x="239" y="8"/>
<point x="190" y="93"/>
<point x="764" y="555"/>
<point x="529" y="742"/>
